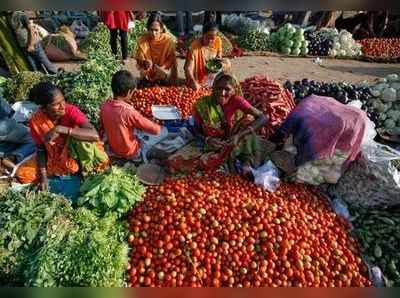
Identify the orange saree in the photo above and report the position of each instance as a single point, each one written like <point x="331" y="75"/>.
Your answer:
<point x="161" y="52"/>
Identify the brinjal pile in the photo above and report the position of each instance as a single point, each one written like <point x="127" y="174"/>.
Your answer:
<point x="318" y="43"/>
<point x="341" y="91"/>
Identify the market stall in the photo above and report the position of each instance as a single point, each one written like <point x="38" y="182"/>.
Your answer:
<point x="210" y="228"/>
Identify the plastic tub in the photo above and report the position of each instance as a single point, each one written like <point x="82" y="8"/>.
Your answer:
<point x="67" y="186"/>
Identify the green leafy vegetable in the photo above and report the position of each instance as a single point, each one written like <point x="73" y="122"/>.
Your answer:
<point x="80" y="250"/>
<point x="115" y="190"/>
<point x="22" y="216"/>
<point x="17" y="88"/>
<point x="254" y="41"/>
<point x="213" y="65"/>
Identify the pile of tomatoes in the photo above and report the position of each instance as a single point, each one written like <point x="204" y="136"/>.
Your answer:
<point x="218" y="230"/>
<point x="181" y="97"/>
<point x="381" y="47"/>
<point x="271" y="98"/>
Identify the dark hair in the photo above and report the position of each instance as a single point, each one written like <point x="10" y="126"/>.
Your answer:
<point x="43" y="93"/>
<point x="155" y="17"/>
<point x="210" y="26"/>
<point x="122" y="82"/>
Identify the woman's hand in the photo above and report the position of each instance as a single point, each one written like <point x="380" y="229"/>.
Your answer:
<point x="62" y="130"/>
<point x="147" y="64"/>
<point x="44" y="183"/>
<point x="51" y="136"/>
<point x="195" y="85"/>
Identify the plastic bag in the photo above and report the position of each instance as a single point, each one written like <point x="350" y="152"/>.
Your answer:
<point x="371" y="181"/>
<point x="340" y="208"/>
<point x="370" y="132"/>
<point x="24" y="110"/>
<point x="267" y="176"/>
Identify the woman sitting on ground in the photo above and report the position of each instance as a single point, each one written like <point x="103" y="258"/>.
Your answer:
<point x="208" y="47"/>
<point x="65" y="140"/>
<point x="222" y="119"/>
<point x="156" y="54"/>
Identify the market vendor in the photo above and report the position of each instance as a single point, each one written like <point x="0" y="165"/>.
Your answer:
<point x="121" y="121"/>
<point x="222" y="119"/>
<point x="156" y="54"/>
<point x="201" y="50"/>
<point x="65" y="140"/>
<point x="322" y="136"/>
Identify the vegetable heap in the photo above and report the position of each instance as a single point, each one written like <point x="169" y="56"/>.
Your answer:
<point x="341" y="91"/>
<point x="387" y="102"/>
<point x="289" y="41"/>
<point x="345" y="46"/>
<point x="80" y="249"/>
<point x="17" y="88"/>
<point x="218" y="230"/>
<point x="116" y="190"/>
<point x="271" y="98"/>
<point x="89" y="87"/>
<point x="240" y="25"/>
<point x="381" y="47"/>
<point x="3" y="84"/>
<point x="378" y="232"/>
<point x="22" y="217"/>
<point x="44" y="242"/>
<point x="318" y="43"/>
<point x="254" y="41"/>
<point x="182" y="97"/>
<point x="99" y="38"/>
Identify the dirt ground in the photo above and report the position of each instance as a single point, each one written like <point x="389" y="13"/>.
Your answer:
<point x="284" y="68"/>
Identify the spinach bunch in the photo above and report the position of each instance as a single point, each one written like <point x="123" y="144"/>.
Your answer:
<point x="116" y="190"/>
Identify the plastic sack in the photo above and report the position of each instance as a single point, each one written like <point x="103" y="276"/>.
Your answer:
<point x="24" y="110"/>
<point x="370" y="132"/>
<point x="267" y="176"/>
<point x="371" y="181"/>
<point x="80" y="29"/>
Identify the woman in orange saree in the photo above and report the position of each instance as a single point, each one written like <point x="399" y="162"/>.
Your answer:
<point x="156" y="53"/>
<point x="208" y="47"/>
<point x="57" y="128"/>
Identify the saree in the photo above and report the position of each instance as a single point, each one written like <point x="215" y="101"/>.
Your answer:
<point x="161" y="52"/>
<point x="59" y="161"/>
<point x="200" y="54"/>
<point x="214" y="125"/>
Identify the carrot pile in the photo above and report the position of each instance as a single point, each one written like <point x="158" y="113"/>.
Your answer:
<point x="271" y="98"/>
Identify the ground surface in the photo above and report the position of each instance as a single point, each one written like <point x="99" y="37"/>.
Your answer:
<point x="282" y="68"/>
